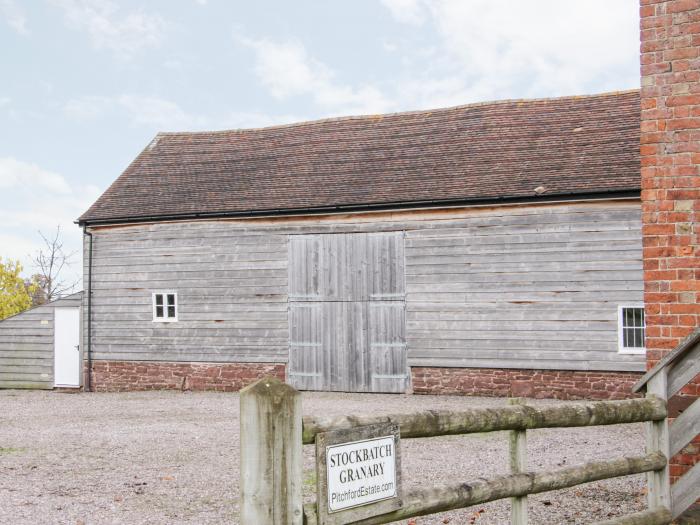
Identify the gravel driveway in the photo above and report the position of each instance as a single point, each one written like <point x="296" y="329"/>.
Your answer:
<point x="167" y="457"/>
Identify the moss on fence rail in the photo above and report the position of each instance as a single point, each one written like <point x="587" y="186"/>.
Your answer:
<point x="519" y="417"/>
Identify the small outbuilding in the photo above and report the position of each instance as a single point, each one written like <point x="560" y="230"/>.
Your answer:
<point x="40" y="348"/>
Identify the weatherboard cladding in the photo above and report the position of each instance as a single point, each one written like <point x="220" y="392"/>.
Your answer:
<point x="491" y="151"/>
<point x="27" y="345"/>
<point x="534" y="287"/>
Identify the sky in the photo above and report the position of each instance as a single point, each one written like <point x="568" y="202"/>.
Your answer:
<point x="86" y="84"/>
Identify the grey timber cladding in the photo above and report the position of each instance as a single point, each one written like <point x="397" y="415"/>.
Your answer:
<point x="533" y="289"/>
<point x="231" y="285"/>
<point x="510" y="287"/>
<point x="27" y="346"/>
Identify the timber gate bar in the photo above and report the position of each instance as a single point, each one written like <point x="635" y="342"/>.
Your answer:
<point x="273" y="433"/>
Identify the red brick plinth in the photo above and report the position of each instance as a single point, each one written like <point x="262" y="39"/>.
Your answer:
<point x="552" y="384"/>
<point x="120" y="376"/>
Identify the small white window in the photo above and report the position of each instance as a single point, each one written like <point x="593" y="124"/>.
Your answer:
<point x="165" y="307"/>
<point x="630" y="327"/>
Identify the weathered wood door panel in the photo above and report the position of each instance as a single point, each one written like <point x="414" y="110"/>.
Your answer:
<point x="307" y="361"/>
<point x="347" y="312"/>
<point x="387" y="337"/>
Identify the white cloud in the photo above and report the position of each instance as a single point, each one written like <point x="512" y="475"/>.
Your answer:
<point x="165" y="115"/>
<point x="17" y="174"/>
<point x="493" y="49"/>
<point x="141" y="110"/>
<point x="87" y="108"/>
<point x="406" y="11"/>
<point x="252" y="119"/>
<point x="14" y="16"/>
<point x="160" y="113"/>
<point x="287" y="70"/>
<point x="34" y="199"/>
<point x="109" y="28"/>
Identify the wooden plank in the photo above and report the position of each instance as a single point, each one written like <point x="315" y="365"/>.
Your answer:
<point x="28" y="384"/>
<point x="685" y="428"/>
<point x="445" y="422"/>
<point x="532" y="364"/>
<point x="216" y="355"/>
<point x="660" y="516"/>
<point x="424" y="501"/>
<point x="685" y="346"/>
<point x="620" y="254"/>
<point x="686" y="491"/>
<point x="684" y="369"/>
<point x="613" y="297"/>
<point x="484" y="264"/>
<point x="633" y="285"/>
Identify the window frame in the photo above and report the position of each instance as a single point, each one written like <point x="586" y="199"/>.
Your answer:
<point x="621" y="348"/>
<point x="165" y="318"/>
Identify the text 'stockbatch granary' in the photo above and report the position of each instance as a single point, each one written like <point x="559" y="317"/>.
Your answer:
<point x="491" y="248"/>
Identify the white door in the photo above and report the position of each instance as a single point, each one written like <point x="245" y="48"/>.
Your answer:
<point x="67" y="347"/>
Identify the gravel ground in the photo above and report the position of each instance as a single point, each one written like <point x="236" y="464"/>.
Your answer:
<point x="167" y="457"/>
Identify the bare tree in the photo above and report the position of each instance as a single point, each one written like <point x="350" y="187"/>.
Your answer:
<point x="50" y="262"/>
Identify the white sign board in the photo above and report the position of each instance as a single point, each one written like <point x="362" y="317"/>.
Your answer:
<point x="358" y="473"/>
<point x="361" y="472"/>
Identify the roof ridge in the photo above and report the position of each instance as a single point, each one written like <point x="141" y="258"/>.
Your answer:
<point x="398" y="113"/>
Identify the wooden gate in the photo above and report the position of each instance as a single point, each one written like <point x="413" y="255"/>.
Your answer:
<point x="347" y="312"/>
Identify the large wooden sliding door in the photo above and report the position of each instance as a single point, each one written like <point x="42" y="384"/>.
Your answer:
<point x="347" y="312"/>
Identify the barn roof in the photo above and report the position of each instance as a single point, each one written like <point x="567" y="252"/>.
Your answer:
<point x="485" y="152"/>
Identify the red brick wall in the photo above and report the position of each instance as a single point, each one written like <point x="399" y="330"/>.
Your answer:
<point x="552" y="384"/>
<point x="670" y="66"/>
<point x="670" y="149"/>
<point x="118" y="376"/>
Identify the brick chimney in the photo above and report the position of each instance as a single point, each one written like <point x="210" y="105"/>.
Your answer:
<point x="670" y="152"/>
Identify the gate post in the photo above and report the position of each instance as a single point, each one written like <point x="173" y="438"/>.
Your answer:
<point x="271" y="454"/>
<point x="659" y="482"/>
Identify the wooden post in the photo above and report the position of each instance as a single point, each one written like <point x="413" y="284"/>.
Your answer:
<point x="518" y="465"/>
<point x="659" y="482"/>
<point x="271" y="454"/>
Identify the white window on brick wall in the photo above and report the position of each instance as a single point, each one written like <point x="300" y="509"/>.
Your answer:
<point x="165" y="307"/>
<point x="630" y="327"/>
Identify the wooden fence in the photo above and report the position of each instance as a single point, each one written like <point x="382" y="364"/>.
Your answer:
<point x="665" y="380"/>
<point x="273" y="433"/>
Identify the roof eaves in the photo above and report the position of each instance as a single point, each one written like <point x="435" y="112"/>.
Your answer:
<point x="624" y="193"/>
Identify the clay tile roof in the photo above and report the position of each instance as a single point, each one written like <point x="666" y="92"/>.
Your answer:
<point x="491" y="151"/>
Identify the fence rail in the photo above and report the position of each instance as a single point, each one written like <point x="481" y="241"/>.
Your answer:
<point x="434" y="423"/>
<point x="421" y="502"/>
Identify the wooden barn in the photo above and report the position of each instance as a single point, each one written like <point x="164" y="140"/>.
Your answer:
<point x="484" y="249"/>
